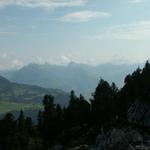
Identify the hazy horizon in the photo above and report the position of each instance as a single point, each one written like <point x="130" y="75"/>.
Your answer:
<point x="82" y="31"/>
<point x="141" y="64"/>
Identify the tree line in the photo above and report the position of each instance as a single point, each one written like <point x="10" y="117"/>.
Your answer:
<point x="81" y="121"/>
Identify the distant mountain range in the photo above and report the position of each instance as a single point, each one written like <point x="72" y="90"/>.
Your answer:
<point x="82" y="78"/>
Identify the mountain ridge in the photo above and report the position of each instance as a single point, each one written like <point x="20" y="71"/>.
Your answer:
<point x="82" y="78"/>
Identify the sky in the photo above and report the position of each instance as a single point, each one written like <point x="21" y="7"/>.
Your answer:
<point x="83" y="31"/>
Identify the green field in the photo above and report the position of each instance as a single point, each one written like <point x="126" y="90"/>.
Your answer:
<point x="11" y="106"/>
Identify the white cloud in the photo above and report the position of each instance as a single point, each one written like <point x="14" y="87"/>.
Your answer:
<point x="65" y="59"/>
<point x="17" y="64"/>
<point x="39" y="60"/>
<point x="136" y="31"/>
<point x="9" y="62"/>
<point x="83" y="16"/>
<point x="43" y="3"/>
<point x="137" y="1"/>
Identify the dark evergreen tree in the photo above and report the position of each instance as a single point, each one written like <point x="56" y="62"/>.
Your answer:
<point x="103" y="104"/>
<point x="22" y="133"/>
<point x="40" y="121"/>
<point x="21" y="122"/>
<point x="137" y="87"/>
<point x="77" y="112"/>
<point x="8" y="138"/>
<point x="29" y="126"/>
<point x="49" y="120"/>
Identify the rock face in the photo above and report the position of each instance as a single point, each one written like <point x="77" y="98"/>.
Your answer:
<point x="81" y="147"/>
<point x="139" y="113"/>
<point x="119" y="140"/>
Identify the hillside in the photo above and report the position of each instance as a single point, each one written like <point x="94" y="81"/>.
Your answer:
<point x="14" y="96"/>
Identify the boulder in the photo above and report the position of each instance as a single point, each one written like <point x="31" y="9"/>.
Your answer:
<point x="81" y="147"/>
<point x="134" y="137"/>
<point x="57" y="147"/>
<point x="118" y="139"/>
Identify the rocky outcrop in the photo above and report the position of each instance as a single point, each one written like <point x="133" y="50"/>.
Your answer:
<point x="139" y="113"/>
<point x="115" y="139"/>
<point x="118" y="139"/>
<point x="56" y="147"/>
<point x="81" y="147"/>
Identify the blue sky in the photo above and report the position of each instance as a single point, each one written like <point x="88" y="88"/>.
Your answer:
<point x="84" y="31"/>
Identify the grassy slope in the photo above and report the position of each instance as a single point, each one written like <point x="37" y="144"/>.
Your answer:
<point x="15" y="97"/>
<point x="12" y="106"/>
